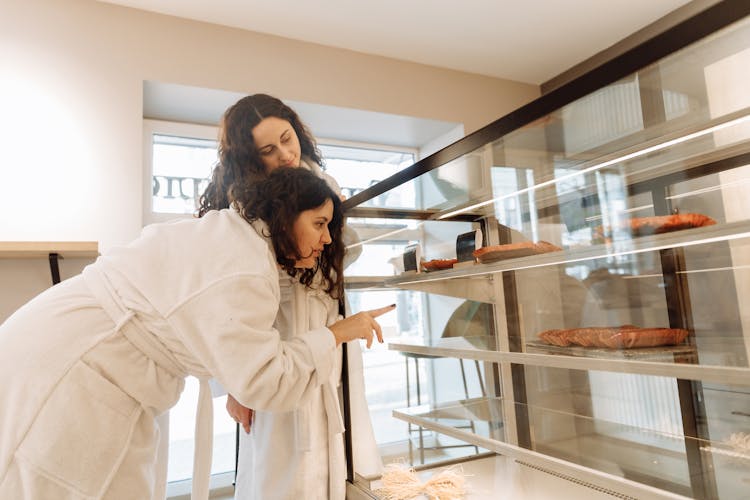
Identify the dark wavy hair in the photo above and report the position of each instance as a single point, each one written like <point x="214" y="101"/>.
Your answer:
<point x="278" y="201"/>
<point x="239" y="164"/>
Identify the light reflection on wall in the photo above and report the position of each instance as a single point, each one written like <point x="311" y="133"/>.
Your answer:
<point x="47" y="165"/>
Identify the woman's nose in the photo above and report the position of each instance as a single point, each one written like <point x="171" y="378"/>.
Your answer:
<point x="327" y="236"/>
<point x="286" y="155"/>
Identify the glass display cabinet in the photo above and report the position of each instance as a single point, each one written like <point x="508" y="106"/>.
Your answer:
<point x="598" y="334"/>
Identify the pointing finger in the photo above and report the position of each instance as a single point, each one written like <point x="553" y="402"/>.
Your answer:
<point x="381" y="310"/>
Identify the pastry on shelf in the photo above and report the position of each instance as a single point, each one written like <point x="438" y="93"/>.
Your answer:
<point x="618" y="337"/>
<point x="657" y="224"/>
<point x="437" y="264"/>
<point x="494" y="253"/>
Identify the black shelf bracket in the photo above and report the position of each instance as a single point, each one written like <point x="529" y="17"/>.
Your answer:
<point x="54" y="267"/>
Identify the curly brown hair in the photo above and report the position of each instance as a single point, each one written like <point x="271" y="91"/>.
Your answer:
<point x="278" y="200"/>
<point x="239" y="164"/>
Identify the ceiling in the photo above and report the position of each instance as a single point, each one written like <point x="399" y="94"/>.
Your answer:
<point x="529" y="41"/>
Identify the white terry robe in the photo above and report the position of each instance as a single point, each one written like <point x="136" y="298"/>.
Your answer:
<point x="288" y="455"/>
<point x="300" y="454"/>
<point x="86" y="366"/>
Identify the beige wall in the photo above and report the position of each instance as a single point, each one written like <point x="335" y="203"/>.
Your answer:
<point x="71" y="74"/>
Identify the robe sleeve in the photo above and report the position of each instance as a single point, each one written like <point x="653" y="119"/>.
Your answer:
<point x="228" y="328"/>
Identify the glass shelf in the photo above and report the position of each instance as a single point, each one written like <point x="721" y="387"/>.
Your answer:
<point x="658" y="459"/>
<point x="678" y="239"/>
<point x="648" y="361"/>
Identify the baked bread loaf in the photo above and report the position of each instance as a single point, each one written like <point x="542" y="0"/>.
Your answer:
<point x="437" y="264"/>
<point x="619" y="337"/>
<point x="657" y="224"/>
<point x="494" y="253"/>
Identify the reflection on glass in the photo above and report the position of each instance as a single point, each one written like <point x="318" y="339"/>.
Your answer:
<point x="641" y="190"/>
<point x="356" y="168"/>
<point x="626" y="425"/>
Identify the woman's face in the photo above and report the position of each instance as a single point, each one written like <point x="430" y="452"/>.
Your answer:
<point x="311" y="233"/>
<point x="277" y="143"/>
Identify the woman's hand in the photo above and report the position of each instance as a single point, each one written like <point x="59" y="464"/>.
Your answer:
<point x="360" y="326"/>
<point x="239" y="413"/>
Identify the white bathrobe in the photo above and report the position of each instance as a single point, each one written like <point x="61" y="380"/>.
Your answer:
<point x="86" y="366"/>
<point x="300" y="454"/>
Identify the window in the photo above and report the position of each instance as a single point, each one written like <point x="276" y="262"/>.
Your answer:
<point x="357" y="166"/>
<point x="178" y="161"/>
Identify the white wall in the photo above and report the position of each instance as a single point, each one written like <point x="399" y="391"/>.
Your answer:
<point x="71" y="80"/>
<point x="23" y="279"/>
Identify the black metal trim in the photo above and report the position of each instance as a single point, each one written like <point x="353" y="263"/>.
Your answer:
<point x="236" y="452"/>
<point x="347" y="414"/>
<point x="406" y="213"/>
<point x="54" y="267"/>
<point x="681" y="35"/>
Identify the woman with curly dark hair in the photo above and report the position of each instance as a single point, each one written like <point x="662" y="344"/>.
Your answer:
<point x="259" y="133"/>
<point x="284" y="455"/>
<point x="88" y="365"/>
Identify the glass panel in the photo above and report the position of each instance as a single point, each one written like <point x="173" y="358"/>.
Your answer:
<point x="626" y="425"/>
<point x="669" y="305"/>
<point x="449" y="185"/>
<point x="395" y="380"/>
<point x="383" y="368"/>
<point x="436" y="240"/>
<point x="687" y="110"/>
<point x="357" y="168"/>
<point x="628" y="215"/>
<point x="383" y="242"/>
<point x="684" y="299"/>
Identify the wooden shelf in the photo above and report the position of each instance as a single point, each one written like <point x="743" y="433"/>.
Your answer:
<point x="42" y="249"/>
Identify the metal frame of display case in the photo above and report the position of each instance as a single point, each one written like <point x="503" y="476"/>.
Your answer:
<point x="511" y="359"/>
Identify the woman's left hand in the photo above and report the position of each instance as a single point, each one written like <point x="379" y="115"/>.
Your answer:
<point x="239" y="413"/>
